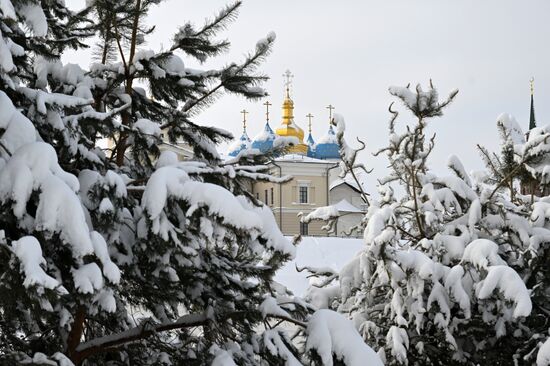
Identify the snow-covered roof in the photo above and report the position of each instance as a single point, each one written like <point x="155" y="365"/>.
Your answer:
<point x="301" y="158"/>
<point x="329" y="138"/>
<point x="236" y="146"/>
<point x="181" y="149"/>
<point x="310" y="140"/>
<point x="265" y="135"/>
<point x="327" y="146"/>
<point x="339" y="181"/>
<point x="345" y="206"/>
<point x="264" y="140"/>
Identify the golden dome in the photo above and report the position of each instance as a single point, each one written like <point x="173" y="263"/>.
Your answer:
<point x="288" y="128"/>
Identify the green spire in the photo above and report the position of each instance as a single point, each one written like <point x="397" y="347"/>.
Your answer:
<point x="532" y="121"/>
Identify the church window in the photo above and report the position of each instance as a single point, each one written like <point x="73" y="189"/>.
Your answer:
<point x="303" y="194"/>
<point x="272" y="195"/>
<point x="304" y="229"/>
<point x="265" y="196"/>
<point x="257" y="196"/>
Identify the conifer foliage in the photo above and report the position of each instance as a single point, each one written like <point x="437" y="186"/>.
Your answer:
<point x="124" y="255"/>
<point x="452" y="267"/>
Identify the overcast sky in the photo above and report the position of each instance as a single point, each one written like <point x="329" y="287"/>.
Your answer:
<point x="347" y="53"/>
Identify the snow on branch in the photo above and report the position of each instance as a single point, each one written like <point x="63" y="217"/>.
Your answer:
<point x="348" y="155"/>
<point x="149" y="328"/>
<point x="423" y="104"/>
<point x="28" y="251"/>
<point x="330" y="333"/>
<point x="482" y="253"/>
<point x="507" y="280"/>
<point x="17" y="129"/>
<point x="543" y="355"/>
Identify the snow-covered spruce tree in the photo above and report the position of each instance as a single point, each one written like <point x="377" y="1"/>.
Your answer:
<point x="525" y="158"/>
<point x="509" y="169"/>
<point x="107" y="258"/>
<point x="47" y="250"/>
<point x="448" y="272"/>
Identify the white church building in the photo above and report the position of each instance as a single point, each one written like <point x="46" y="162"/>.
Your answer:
<point x="314" y="168"/>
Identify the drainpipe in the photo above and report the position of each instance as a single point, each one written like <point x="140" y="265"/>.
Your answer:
<point x="280" y="196"/>
<point x="336" y="165"/>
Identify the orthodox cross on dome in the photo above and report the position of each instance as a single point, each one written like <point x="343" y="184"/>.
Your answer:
<point x="532" y="83"/>
<point x="288" y="81"/>
<point x="244" y="113"/>
<point x="330" y="108"/>
<point x="267" y="105"/>
<point x="309" y="117"/>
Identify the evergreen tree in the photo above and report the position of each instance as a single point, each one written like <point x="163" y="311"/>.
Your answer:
<point x="450" y="273"/>
<point x="125" y="255"/>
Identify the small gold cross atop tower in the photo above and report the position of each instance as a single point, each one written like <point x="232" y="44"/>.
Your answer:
<point x="309" y="117"/>
<point x="288" y="81"/>
<point x="330" y="108"/>
<point x="532" y="83"/>
<point x="267" y="105"/>
<point x="244" y="113"/>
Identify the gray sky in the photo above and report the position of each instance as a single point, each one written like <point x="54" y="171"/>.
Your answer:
<point x="347" y="53"/>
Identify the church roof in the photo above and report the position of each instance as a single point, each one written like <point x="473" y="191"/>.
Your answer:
<point x="310" y="146"/>
<point x="310" y="140"/>
<point x="350" y="181"/>
<point x="264" y="140"/>
<point x="289" y="135"/>
<point x="300" y="158"/>
<point x="237" y="146"/>
<point x="345" y="206"/>
<point x="327" y="146"/>
<point x="339" y="181"/>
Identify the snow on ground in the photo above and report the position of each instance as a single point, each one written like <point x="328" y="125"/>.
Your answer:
<point x="318" y="252"/>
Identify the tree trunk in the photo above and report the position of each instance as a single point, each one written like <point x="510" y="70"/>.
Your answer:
<point x="126" y="117"/>
<point x="75" y="334"/>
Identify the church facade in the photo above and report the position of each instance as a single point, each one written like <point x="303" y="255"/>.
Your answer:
<point x="314" y="168"/>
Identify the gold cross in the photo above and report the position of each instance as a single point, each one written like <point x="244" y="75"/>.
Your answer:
<point x="288" y="76"/>
<point x="288" y="81"/>
<point x="532" y="82"/>
<point x="330" y="108"/>
<point x="244" y="113"/>
<point x="309" y="117"/>
<point x="267" y="105"/>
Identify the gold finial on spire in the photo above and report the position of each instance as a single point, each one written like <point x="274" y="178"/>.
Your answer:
<point x="267" y="105"/>
<point x="288" y="104"/>
<point x="330" y="108"/>
<point x="288" y="128"/>
<point x="532" y="83"/>
<point x="309" y="117"/>
<point x="244" y="113"/>
<point x="288" y="82"/>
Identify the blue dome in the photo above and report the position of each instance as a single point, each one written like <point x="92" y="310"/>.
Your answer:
<point x="264" y="140"/>
<point x="237" y="146"/>
<point x="310" y="140"/>
<point x="310" y="146"/>
<point x="327" y="147"/>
